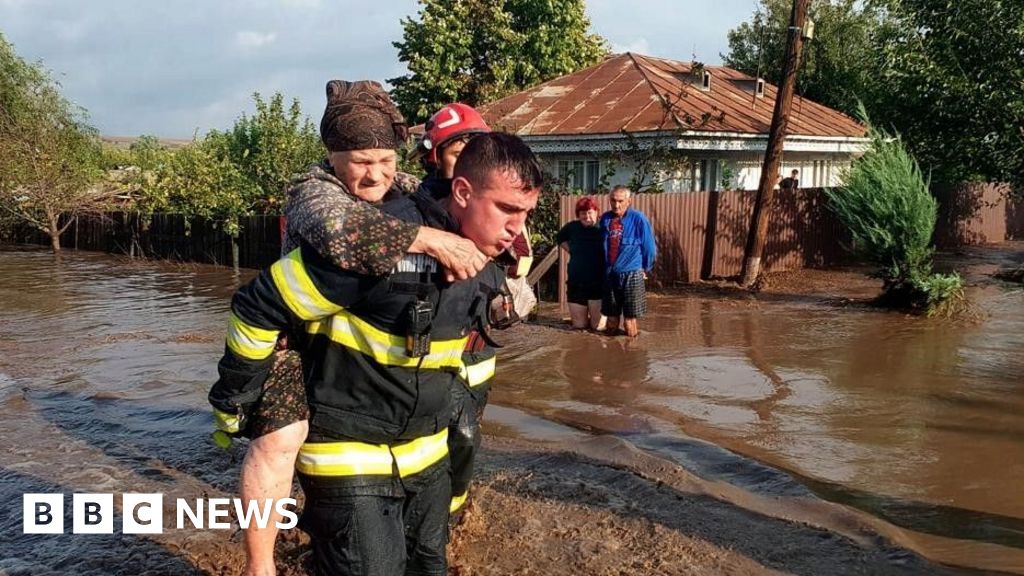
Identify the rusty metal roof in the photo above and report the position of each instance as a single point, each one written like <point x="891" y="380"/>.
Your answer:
<point x="639" y="93"/>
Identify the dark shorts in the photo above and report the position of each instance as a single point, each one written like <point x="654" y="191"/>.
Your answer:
<point x="582" y="293"/>
<point x="625" y="294"/>
<point x="284" y="396"/>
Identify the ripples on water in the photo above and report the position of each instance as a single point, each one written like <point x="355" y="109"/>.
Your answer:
<point x="919" y="422"/>
<point x="104" y="368"/>
<point x="106" y="362"/>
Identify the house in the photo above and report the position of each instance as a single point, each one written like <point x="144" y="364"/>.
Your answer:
<point x="684" y="126"/>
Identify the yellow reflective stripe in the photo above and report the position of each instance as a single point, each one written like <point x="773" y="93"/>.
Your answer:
<point x="297" y="289"/>
<point x="344" y="459"/>
<point x="226" y="422"/>
<point x="479" y="373"/>
<point x="361" y="459"/>
<point x="457" y="502"/>
<point x="416" y="456"/>
<point x="249" y="341"/>
<point x="388" y="349"/>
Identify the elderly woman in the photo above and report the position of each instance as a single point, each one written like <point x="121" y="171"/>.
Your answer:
<point x="583" y="241"/>
<point x="331" y="209"/>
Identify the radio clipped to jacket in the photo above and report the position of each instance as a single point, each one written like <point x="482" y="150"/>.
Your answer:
<point x="417" y="338"/>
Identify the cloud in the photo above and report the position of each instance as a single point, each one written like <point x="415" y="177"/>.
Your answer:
<point x="250" y="39"/>
<point x="637" y="46"/>
<point x="165" y="68"/>
<point x="13" y="4"/>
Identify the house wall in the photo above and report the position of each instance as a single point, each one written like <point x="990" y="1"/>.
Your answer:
<point x="817" y="170"/>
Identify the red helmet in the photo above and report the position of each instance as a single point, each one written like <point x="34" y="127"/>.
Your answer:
<point x="448" y="123"/>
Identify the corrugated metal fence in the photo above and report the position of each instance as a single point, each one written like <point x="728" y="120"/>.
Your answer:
<point x="702" y="235"/>
<point x="978" y="214"/>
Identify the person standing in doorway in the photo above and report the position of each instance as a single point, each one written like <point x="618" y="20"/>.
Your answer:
<point x="630" y="251"/>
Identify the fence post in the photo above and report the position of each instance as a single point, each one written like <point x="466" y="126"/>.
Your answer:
<point x="234" y="253"/>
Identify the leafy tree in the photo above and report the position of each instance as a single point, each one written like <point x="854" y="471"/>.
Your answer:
<point x="49" y="156"/>
<point x="952" y="82"/>
<point x="200" y="180"/>
<point x="475" y="51"/>
<point x="838" y="64"/>
<point x="134" y="171"/>
<point x="270" y="147"/>
<point x="945" y="74"/>
<point x="230" y="174"/>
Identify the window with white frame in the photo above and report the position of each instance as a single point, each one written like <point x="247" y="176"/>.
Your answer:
<point x="697" y="175"/>
<point x="580" y="173"/>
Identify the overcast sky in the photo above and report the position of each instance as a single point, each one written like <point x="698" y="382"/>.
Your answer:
<point x="174" y="68"/>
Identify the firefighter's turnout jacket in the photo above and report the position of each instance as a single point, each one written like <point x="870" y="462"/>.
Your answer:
<point x="379" y="409"/>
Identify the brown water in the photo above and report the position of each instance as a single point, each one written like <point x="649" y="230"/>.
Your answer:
<point x="105" y="364"/>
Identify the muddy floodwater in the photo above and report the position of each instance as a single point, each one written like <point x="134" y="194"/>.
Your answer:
<point x="916" y="425"/>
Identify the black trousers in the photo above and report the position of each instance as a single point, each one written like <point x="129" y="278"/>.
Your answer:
<point x="362" y="533"/>
<point x="464" y="435"/>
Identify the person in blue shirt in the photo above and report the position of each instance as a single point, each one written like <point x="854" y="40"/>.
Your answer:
<point x="630" y="251"/>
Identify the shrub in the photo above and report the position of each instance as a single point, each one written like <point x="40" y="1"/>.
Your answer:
<point x="886" y="204"/>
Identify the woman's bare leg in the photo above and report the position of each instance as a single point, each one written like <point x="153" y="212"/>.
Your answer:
<point x="267" y="474"/>
<point x="597" y="320"/>
<point x="578" y="313"/>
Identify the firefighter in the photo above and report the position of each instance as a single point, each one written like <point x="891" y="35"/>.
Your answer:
<point x="446" y="134"/>
<point x="380" y="364"/>
<point x="329" y="207"/>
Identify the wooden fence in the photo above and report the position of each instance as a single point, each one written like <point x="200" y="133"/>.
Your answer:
<point x="169" y="236"/>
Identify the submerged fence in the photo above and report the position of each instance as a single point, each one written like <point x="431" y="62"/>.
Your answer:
<point x="700" y="235"/>
<point x="169" y="236"/>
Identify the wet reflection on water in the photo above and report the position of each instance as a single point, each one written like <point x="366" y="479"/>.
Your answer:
<point x="919" y="422"/>
<point x="108" y="361"/>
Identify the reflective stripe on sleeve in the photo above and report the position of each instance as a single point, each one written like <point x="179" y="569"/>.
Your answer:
<point x="479" y="373"/>
<point x="249" y="341"/>
<point x="226" y="422"/>
<point x="361" y="459"/>
<point x="297" y="289"/>
<point x="387" y="349"/>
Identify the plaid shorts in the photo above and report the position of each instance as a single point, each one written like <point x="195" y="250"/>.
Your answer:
<point x="625" y="294"/>
<point x="284" y="396"/>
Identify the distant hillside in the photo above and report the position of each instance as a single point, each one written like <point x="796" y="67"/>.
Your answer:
<point x="124" y="142"/>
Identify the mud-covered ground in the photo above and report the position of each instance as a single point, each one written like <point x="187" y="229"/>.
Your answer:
<point x="602" y="507"/>
<point x="550" y="511"/>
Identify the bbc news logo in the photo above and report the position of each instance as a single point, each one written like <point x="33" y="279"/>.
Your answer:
<point x="144" y="513"/>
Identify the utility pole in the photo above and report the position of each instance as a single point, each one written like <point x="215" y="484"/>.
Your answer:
<point x="776" y="137"/>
